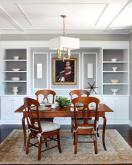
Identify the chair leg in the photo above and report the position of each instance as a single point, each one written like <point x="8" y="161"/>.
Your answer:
<point x="39" y="148"/>
<point x="73" y="138"/>
<point x="97" y="131"/>
<point x="46" y="144"/>
<point x="75" y="145"/>
<point x="58" y="142"/>
<point x="27" y="145"/>
<point x="95" y="144"/>
<point x="72" y="126"/>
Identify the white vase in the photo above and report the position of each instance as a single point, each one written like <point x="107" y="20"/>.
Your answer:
<point x="15" y="90"/>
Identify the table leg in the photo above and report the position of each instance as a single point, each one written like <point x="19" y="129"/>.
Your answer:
<point x="24" y="131"/>
<point x="103" y="133"/>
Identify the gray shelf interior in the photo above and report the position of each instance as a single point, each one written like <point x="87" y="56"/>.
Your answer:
<point x="9" y="75"/>
<point x="120" y="55"/>
<point x="9" y="65"/>
<point x="120" y="67"/>
<point x="21" y="87"/>
<point x="10" y="53"/>
<point x="122" y="77"/>
<point x="122" y="89"/>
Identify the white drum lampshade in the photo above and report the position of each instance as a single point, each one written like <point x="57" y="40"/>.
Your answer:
<point x="90" y="70"/>
<point x="63" y="42"/>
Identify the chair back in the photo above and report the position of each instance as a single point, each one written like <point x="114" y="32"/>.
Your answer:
<point x="46" y="94"/>
<point x="32" y="115"/>
<point x="82" y="107"/>
<point x="78" y="93"/>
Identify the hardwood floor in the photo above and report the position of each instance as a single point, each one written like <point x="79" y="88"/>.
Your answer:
<point x="124" y="130"/>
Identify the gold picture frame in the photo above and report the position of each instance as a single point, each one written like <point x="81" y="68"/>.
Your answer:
<point x="64" y="72"/>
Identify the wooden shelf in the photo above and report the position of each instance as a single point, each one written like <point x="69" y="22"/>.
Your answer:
<point x="15" y="81"/>
<point x="115" y="83"/>
<point x="117" y="62"/>
<point x="15" y="71"/>
<point x="11" y="60"/>
<point x="115" y="71"/>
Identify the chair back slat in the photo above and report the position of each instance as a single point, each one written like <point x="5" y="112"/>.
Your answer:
<point x="32" y="108"/>
<point x="46" y="93"/>
<point x="82" y="107"/>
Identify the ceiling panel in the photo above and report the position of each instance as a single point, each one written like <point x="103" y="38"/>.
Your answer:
<point x="83" y="16"/>
<point x="77" y="14"/>
<point x="124" y="19"/>
<point x="5" y="22"/>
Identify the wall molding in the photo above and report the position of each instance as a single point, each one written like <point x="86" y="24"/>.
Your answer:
<point x="130" y="123"/>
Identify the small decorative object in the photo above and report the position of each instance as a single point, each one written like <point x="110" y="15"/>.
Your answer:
<point x="15" y="69"/>
<point x="114" y="81"/>
<point x="15" y="90"/>
<point x="53" y="106"/>
<point x="90" y="70"/>
<point x="16" y="57"/>
<point x="113" y="59"/>
<point x="64" y="71"/>
<point x="39" y="71"/>
<point x="114" y="91"/>
<point x="114" y="69"/>
<point x="63" y="101"/>
<point x="92" y="87"/>
<point x="15" y="78"/>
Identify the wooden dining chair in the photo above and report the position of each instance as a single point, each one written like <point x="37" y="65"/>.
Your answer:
<point x="74" y="94"/>
<point x="85" y="128"/>
<point x="78" y="93"/>
<point x="48" y="96"/>
<point x="46" y="93"/>
<point x="43" y="131"/>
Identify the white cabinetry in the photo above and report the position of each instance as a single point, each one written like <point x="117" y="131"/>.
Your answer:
<point x="120" y="107"/>
<point x="8" y="106"/>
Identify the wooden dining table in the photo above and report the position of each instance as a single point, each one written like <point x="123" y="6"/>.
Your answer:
<point x="66" y="112"/>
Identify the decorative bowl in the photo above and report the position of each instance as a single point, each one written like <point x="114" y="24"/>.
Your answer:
<point x="113" y="59"/>
<point x="115" y="81"/>
<point x="15" y="78"/>
<point x="16" y="57"/>
<point x="15" y="69"/>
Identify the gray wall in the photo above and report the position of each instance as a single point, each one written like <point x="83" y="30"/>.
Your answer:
<point x="130" y="49"/>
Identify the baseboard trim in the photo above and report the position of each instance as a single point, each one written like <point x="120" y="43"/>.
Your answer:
<point x="130" y="123"/>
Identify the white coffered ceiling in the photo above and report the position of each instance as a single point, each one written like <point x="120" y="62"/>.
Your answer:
<point x="83" y="16"/>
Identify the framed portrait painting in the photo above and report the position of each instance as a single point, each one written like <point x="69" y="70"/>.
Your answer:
<point x="64" y="71"/>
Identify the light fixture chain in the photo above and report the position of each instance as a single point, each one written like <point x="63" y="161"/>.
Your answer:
<point x="63" y="17"/>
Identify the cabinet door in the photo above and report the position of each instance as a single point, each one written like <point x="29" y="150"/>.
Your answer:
<point x="8" y="107"/>
<point x="120" y="107"/>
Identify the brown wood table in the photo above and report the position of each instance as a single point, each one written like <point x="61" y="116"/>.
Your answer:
<point x="66" y="112"/>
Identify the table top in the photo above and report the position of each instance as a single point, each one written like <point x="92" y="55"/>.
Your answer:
<point x="101" y="108"/>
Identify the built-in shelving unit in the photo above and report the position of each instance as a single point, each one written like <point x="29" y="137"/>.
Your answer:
<point x="15" y="71"/>
<point x="115" y="68"/>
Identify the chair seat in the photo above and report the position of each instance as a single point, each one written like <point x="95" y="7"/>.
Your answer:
<point x="49" y="126"/>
